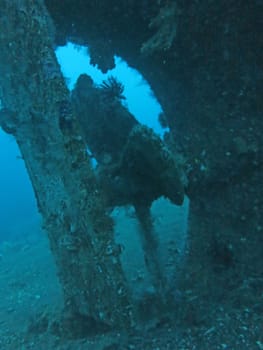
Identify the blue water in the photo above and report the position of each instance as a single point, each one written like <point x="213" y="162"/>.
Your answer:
<point x="17" y="203"/>
<point x="74" y="60"/>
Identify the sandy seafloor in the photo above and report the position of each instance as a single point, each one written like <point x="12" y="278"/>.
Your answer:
<point x="31" y="298"/>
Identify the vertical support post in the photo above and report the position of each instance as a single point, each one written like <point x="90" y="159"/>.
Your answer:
<point x="36" y="111"/>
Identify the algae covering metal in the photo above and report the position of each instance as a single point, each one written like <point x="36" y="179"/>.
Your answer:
<point x="36" y="110"/>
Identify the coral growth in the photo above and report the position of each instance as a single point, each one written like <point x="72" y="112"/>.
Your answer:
<point x="165" y="22"/>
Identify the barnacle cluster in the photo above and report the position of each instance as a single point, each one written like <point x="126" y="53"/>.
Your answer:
<point x="112" y="88"/>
